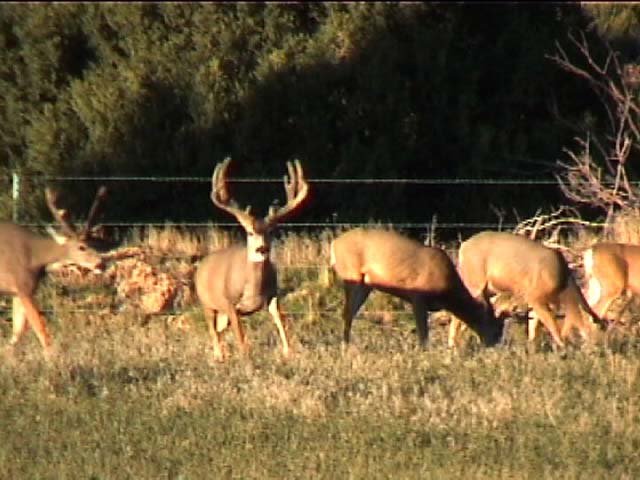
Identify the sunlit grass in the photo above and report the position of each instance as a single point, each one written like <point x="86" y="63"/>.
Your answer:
<point x="131" y="396"/>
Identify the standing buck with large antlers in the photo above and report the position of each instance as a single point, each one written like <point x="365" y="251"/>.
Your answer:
<point x="240" y="280"/>
<point x="426" y="277"/>
<point x="612" y="270"/>
<point x="495" y="262"/>
<point x="25" y="255"/>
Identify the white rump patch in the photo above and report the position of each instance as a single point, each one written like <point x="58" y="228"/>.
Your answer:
<point x="594" y="291"/>
<point x="587" y="261"/>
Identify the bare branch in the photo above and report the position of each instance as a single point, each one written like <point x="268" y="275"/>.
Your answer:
<point x="581" y="179"/>
<point x="550" y="228"/>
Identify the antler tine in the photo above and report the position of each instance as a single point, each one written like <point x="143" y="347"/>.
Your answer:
<point x="219" y="192"/>
<point x="101" y="194"/>
<point x="297" y="190"/>
<point x="59" y="214"/>
<point x="291" y="186"/>
<point x="221" y="198"/>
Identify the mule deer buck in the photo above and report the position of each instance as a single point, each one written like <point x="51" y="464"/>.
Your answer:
<point x="494" y="262"/>
<point x="240" y="280"/>
<point x="612" y="270"/>
<point x="370" y="259"/>
<point x="24" y="257"/>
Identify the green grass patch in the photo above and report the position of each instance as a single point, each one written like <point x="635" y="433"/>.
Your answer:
<point x="140" y="397"/>
<point x="147" y="401"/>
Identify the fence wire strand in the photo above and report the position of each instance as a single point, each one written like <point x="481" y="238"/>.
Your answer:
<point x="417" y="181"/>
<point x="337" y="225"/>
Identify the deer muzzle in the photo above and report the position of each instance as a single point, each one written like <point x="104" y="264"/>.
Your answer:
<point x="99" y="266"/>
<point x="259" y="253"/>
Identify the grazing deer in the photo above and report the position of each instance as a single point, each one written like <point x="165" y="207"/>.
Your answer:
<point x="241" y="280"/>
<point x="426" y="277"/>
<point x="494" y="262"/>
<point x="504" y="306"/>
<point x="611" y="270"/>
<point x="24" y="257"/>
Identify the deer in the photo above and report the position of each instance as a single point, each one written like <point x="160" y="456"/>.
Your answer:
<point x="505" y="306"/>
<point x="495" y="262"/>
<point x="612" y="270"/>
<point x="241" y="279"/>
<point x="25" y="256"/>
<point x="387" y="261"/>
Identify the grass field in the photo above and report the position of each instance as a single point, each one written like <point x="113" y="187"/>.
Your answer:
<point x="141" y="397"/>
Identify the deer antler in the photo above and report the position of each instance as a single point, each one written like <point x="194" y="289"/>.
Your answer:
<point x="101" y="194"/>
<point x="221" y="198"/>
<point x="296" y="188"/>
<point x="60" y="214"/>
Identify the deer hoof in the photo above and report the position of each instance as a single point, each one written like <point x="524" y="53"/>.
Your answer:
<point x="219" y="356"/>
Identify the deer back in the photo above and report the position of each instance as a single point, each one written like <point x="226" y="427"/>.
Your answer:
<point x="388" y="260"/>
<point x="19" y="271"/>
<point x="508" y="262"/>
<point x="615" y="263"/>
<point x="24" y="256"/>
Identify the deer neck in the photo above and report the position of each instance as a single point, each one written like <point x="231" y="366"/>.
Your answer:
<point x="45" y="251"/>
<point x="256" y="266"/>
<point x="472" y="311"/>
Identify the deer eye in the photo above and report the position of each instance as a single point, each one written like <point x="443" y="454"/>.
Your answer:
<point x="82" y="248"/>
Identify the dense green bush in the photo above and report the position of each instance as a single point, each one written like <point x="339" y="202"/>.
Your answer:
<point x="353" y="90"/>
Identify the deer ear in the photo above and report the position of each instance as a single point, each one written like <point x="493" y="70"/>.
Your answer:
<point x="60" y="239"/>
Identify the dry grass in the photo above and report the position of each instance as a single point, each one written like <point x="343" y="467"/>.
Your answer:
<point x="135" y="396"/>
<point x="146" y="401"/>
<point x="625" y="228"/>
<point x="175" y="241"/>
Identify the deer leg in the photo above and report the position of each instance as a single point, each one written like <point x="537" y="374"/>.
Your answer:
<point x="607" y="306"/>
<point x="19" y="321"/>
<point x="355" y="295"/>
<point x="238" y="331"/>
<point x="218" y="344"/>
<point x="532" y="325"/>
<point x="601" y="298"/>
<point x="625" y="305"/>
<point x="455" y="327"/>
<point x="280" y="321"/>
<point x="574" y="315"/>
<point x="36" y="321"/>
<point x="602" y="308"/>
<point x="420" y="312"/>
<point x="545" y="315"/>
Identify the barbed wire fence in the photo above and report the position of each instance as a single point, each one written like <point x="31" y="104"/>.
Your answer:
<point x="17" y="181"/>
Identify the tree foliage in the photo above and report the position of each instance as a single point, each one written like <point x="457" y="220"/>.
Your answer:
<point x="363" y="90"/>
<point x="615" y="20"/>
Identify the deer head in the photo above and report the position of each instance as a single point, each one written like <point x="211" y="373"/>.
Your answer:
<point x="76" y="242"/>
<point x="258" y="229"/>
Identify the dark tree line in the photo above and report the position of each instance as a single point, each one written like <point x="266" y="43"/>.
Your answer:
<point x="357" y="90"/>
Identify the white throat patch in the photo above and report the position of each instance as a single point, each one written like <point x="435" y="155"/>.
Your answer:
<point x="256" y="251"/>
